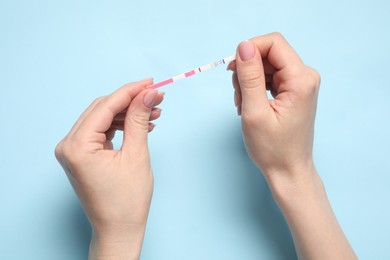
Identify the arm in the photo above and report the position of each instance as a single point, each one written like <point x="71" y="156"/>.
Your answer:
<point x="114" y="186"/>
<point x="278" y="136"/>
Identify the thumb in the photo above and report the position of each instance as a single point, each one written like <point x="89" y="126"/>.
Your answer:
<point x="136" y="123"/>
<point x="250" y="73"/>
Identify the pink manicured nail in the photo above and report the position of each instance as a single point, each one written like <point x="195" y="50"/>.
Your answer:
<point x="151" y="127"/>
<point x="150" y="98"/>
<point x="230" y="66"/>
<point x="246" y="50"/>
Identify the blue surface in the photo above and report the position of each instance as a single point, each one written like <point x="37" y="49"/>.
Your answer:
<point x="210" y="202"/>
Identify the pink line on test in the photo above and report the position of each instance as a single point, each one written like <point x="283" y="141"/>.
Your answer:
<point x="190" y="73"/>
<point x="160" y="84"/>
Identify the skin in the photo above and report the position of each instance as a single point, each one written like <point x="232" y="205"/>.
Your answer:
<point x="278" y="136"/>
<point x="115" y="186"/>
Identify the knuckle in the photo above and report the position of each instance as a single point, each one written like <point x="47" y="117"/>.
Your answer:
<point x="315" y="77"/>
<point x="278" y="36"/>
<point x="98" y="100"/>
<point x="71" y="151"/>
<point x="67" y="150"/>
<point x="251" y="78"/>
<point x="311" y="82"/>
<point x="58" y="150"/>
<point x="139" y="121"/>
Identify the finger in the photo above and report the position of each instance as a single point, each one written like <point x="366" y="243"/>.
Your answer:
<point x="288" y="66"/>
<point x="136" y="125"/>
<point x="231" y="66"/>
<point x="151" y="127"/>
<point x="251" y="79"/>
<point x="59" y="147"/>
<point x="237" y="90"/>
<point x="159" y="98"/>
<point x="155" y="114"/>
<point x="84" y="115"/>
<point x="268" y="81"/>
<point x="100" y="118"/>
<point x="236" y="84"/>
<point x="268" y="68"/>
<point x="277" y="51"/>
<point x="120" y="118"/>
<point x="110" y="134"/>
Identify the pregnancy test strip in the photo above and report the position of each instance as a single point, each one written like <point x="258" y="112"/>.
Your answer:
<point x="192" y="72"/>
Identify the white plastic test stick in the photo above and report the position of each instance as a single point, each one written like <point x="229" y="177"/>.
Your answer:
<point x="192" y="72"/>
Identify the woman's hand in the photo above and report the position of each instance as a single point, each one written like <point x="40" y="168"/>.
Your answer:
<point x="278" y="136"/>
<point x="114" y="186"/>
<point x="278" y="133"/>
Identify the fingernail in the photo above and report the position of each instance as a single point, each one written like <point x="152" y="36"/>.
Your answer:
<point x="151" y="127"/>
<point x="229" y="66"/>
<point x="149" y="98"/>
<point x="246" y="50"/>
<point x="239" y="110"/>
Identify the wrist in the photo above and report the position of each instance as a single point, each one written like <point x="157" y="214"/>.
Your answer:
<point x="117" y="242"/>
<point x="292" y="181"/>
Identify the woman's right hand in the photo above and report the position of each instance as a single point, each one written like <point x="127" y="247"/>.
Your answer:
<point x="114" y="186"/>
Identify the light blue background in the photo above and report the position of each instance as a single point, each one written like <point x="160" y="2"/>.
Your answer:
<point x="210" y="202"/>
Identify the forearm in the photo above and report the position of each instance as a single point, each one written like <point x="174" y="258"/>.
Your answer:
<point x="121" y="244"/>
<point x="315" y="230"/>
